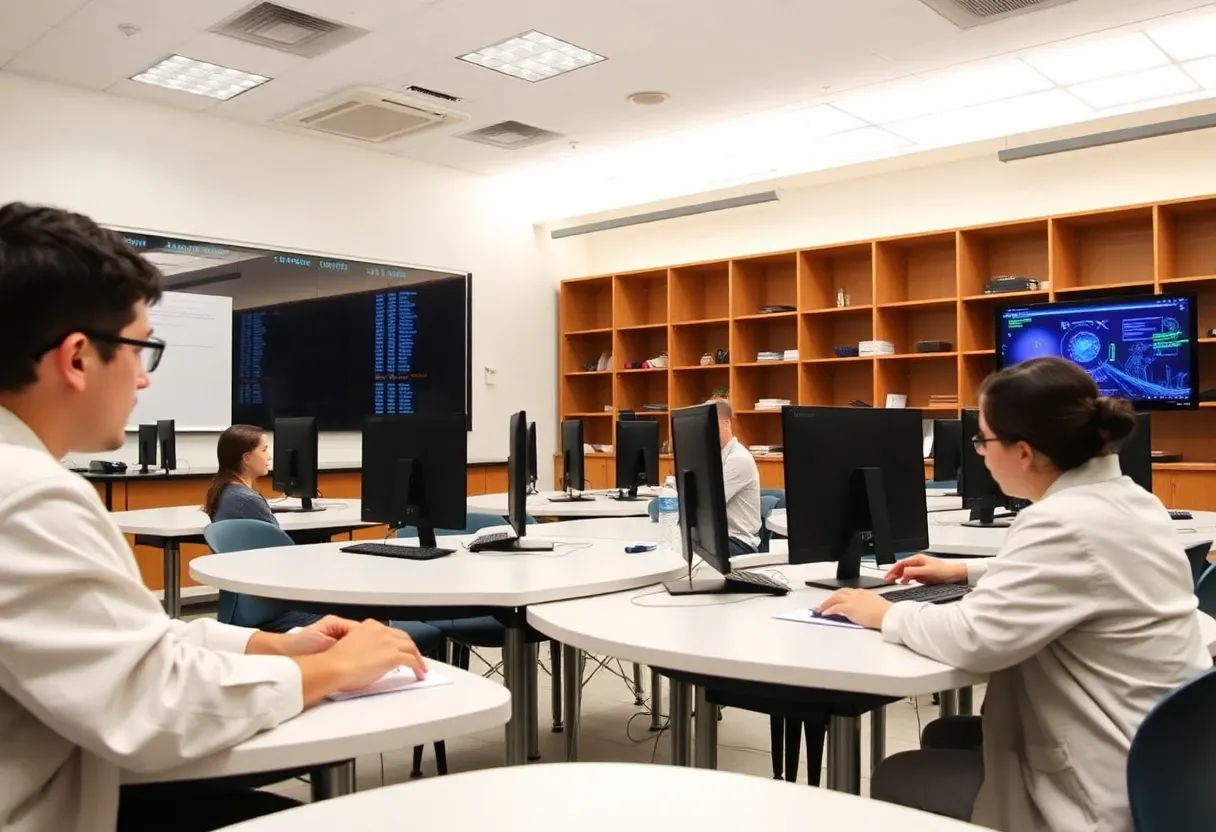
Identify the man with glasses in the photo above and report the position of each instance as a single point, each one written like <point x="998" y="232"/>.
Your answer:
<point x="94" y="677"/>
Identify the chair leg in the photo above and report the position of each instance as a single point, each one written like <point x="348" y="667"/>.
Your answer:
<point x="416" y="771"/>
<point x="816" y="731"/>
<point x="776" y="739"/>
<point x="441" y="758"/>
<point x="793" y="748"/>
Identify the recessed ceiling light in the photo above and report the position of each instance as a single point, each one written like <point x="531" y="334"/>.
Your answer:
<point x="649" y="99"/>
<point x="1203" y="71"/>
<point x="1098" y="59"/>
<point x="200" y="78"/>
<point x="993" y="120"/>
<point x="1187" y="39"/>
<point x="533" y="56"/>
<point x="1140" y="86"/>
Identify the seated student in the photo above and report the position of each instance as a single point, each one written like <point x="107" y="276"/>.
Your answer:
<point x="244" y="455"/>
<point x="94" y="677"/>
<point x="1084" y="620"/>
<point x="741" y="479"/>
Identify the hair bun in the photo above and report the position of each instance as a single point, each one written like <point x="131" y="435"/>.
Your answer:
<point x="1115" y="418"/>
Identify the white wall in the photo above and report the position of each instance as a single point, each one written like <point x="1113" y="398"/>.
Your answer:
<point x="145" y="166"/>
<point x="969" y="192"/>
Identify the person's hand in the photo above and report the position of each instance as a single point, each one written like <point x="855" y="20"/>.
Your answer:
<point x="928" y="570"/>
<point x="370" y="649"/>
<point x="858" y="605"/>
<point x="318" y="636"/>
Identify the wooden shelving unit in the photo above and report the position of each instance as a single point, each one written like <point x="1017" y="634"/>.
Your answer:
<point x="903" y="290"/>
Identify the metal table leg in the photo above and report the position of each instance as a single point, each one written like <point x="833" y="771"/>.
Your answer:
<point x="966" y="701"/>
<point x="681" y="723"/>
<point x="949" y="703"/>
<point x="533" y="704"/>
<point x="878" y="736"/>
<point x="514" y="672"/>
<point x="706" y="726"/>
<point x="173" y="578"/>
<point x="572" y="681"/>
<point x="656" y="700"/>
<point x="555" y="676"/>
<point x="332" y="781"/>
<point x="638" y="698"/>
<point x="844" y="754"/>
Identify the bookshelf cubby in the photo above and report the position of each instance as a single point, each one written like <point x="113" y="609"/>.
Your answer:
<point x="906" y="289"/>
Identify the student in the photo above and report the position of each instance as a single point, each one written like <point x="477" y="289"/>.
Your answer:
<point x="1084" y="620"/>
<point x="741" y="479"/>
<point x="94" y="677"/>
<point x="244" y="455"/>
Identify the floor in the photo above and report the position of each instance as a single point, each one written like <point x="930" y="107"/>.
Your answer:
<point x="614" y="729"/>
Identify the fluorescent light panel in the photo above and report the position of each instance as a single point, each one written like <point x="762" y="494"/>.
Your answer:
<point x="533" y="56"/>
<point x="1097" y="59"/>
<point x="1163" y="82"/>
<point x="200" y="78"/>
<point x="1187" y="39"/>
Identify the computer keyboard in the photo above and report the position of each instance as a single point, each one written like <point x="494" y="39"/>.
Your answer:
<point x="929" y="593"/>
<point x="754" y="582"/>
<point x="1179" y="514"/>
<point x="390" y="550"/>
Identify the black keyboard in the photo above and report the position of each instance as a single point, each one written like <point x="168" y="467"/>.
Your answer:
<point x="389" y="550"/>
<point x="754" y="582"/>
<point x="1179" y="514"/>
<point x="929" y="593"/>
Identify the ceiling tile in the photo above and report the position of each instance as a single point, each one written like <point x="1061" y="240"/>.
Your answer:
<point x="45" y="13"/>
<point x="366" y="14"/>
<point x="95" y="59"/>
<point x="268" y="102"/>
<point x="154" y="14"/>
<point x="149" y="92"/>
<point x="237" y="54"/>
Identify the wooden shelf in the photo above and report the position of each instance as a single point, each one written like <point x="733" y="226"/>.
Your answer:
<point x="579" y="332"/>
<point x="642" y="328"/>
<point x="1105" y="287"/>
<point x="843" y="310"/>
<point x="586" y="373"/>
<point x="1031" y="296"/>
<point x="767" y="316"/>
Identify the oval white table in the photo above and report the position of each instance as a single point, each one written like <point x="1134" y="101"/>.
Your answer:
<point x="322" y="578"/>
<point x="333" y="733"/>
<point x="617" y="793"/>
<point x="540" y="507"/>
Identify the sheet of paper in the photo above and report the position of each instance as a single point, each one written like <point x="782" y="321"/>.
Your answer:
<point x="395" y="680"/>
<point x="807" y="617"/>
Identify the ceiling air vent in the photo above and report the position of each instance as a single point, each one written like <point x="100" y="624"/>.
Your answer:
<point x="278" y="27"/>
<point x="968" y="13"/>
<point x="509" y="135"/>
<point x="440" y="96"/>
<point x="372" y="116"/>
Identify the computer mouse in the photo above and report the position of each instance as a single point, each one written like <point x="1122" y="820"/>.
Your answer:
<point x="843" y="619"/>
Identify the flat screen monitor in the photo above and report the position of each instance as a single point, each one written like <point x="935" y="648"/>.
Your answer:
<point x="574" y="479"/>
<point x="147" y="448"/>
<point x="295" y="461"/>
<point x="637" y="456"/>
<point x="947" y="449"/>
<point x="979" y="490"/>
<point x="1141" y="348"/>
<point x="1136" y="453"/>
<point x="533" y="462"/>
<point x="166" y="438"/>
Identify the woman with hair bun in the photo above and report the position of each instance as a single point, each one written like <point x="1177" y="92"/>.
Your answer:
<point x="1084" y="620"/>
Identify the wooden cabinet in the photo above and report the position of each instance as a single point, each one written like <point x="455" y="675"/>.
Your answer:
<point x="1191" y="487"/>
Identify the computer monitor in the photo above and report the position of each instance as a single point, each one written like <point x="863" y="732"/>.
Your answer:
<point x="702" y="494"/>
<point x="573" y="478"/>
<point x="517" y="493"/>
<point x="637" y="456"/>
<point x="414" y="472"/>
<point x="1136" y="454"/>
<point x="976" y="486"/>
<point x="1142" y="348"/>
<point x="166" y="437"/>
<point x="147" y="448"/>
<point x="533" y="463"/>
<point x="947" y="449"/>
<point x="295" y="461"/>
<point x="854" y="485"/>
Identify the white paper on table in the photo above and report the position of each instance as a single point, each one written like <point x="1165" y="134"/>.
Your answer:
<point x="395" y="680"/>
<point x="808" y="617"/>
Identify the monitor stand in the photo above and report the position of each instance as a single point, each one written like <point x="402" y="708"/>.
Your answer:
<point x="570" y="497"/>
<point x="304" y="506"/>
<point x="987" y="518"/>
<point x="697" y="586"/>
<point x="518" y="544"/>
<point x="868" y="485"/>
<point x="630" y="496"/>
<point x="143" y="469"/>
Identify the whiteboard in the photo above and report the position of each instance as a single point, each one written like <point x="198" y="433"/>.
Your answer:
<point x="193" y="384"/>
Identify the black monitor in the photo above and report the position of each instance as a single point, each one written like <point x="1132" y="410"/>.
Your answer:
<point x="517" y="493"/>
<point x="295" y="461"/>
<point x="166" y="437"/>
<point x="147" y="448"/>
<point x="637" y="456"/>
<point x="1136" y="454"/>
<point x="573" y="478"/>
<point x="698" y="472"/>
<point x="854" y="485"/>
<point x="414" y="472"/>
<point x="533" y="463"/>
<point x="947" y="449"/>
<point x="976" y="486"/>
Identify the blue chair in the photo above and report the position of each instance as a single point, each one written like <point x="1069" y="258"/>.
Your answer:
<point x="1205" y="590"/>
<point x="778" y="493"/>
<point x="1171" y="764"/>
<point x="1198" y="557"/>
<point x="767" y="504"/>
<point x="944" y="484"/>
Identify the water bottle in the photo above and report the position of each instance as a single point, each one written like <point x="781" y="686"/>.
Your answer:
<point x="669" y="518"/>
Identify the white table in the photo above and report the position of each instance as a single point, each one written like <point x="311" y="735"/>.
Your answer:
<point x="778" y="524"/>
<point x="617" y="793"/>
<point x="321" y="577"/>
<point x="168" y="528"/>
<point x="337" y="732"/>
<point x="539" y="506"/>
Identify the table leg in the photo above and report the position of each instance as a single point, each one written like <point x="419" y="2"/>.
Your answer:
<point x="966" y="701"/>
<point x="706" y="725"/>
<point x="555" y="675"/>
<point x="656" y="700"/>
<point x="638" y="698"/>
<point x="332" y="780"/>
<point x="173" y="578"/>
<point x="109" y="495"/>
<point x="878" y="736"/>
<point x="533" y="705"/>
<point x="681" y="723"/>
<point x="572" y="681"/>
<point x="514" y="672"/>
<point x="949" y="703"/>
<point x="844" y="754"/>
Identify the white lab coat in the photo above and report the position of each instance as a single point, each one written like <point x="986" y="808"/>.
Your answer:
<point x="1084" y="620"/>
<point x="94" y="677"/>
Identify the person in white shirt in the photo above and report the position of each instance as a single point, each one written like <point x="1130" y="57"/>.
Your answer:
<point x="741" y="480"/>
<point x="94" y="677"/>
<point x="1084" y="620"/>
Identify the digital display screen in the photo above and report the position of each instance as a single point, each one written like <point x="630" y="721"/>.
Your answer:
<point x="1138" y="348"/>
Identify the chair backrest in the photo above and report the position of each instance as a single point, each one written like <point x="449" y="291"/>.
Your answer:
<point x="1197" y="554"/>
<point x="474" y="521"/>
<point x="768" y="502"/>
<point x="1171" y="765"/>
<point x="779" y="493"/>
<point x="228" y="536"/>
<point x="1205" y="590"/>
<point x="950" y="484"/>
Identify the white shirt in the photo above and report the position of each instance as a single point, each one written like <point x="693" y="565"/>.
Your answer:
<point x="94" y="676"/>
<point x="741" y="479"/>
<point x="1084" y="620"/>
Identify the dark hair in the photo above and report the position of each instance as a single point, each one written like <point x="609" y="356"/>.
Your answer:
<point x="62" y="273"/>
<point x="234" y="443"/>
<point x="1054" y="406"/>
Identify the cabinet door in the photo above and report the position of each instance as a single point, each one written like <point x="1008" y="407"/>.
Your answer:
<point x="1163" y="487"/>
<point x="1194" y="490"/>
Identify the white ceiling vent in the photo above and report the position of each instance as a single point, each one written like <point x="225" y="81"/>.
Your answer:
<point x="288" y="30"/>
<point x="373" y="115"/>
<point x="968" y="13"/>
<point x="509" y="135"/>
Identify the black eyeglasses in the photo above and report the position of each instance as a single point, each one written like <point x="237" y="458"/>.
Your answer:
<point x="150" y="351"/>
<point x="980" y="442"/>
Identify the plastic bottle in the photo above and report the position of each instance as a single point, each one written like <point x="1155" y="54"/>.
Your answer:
<point x="669" y="518"/>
